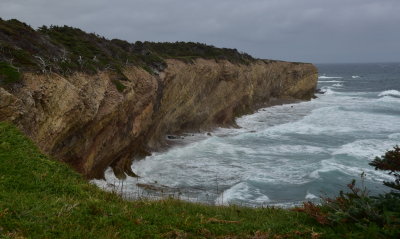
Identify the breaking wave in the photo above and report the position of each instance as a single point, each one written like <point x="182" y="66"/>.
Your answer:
<point x="337" y="85"/>
<point x="242" y="193"/>
<point x="392" y="93"/>
<point x="329" y="77"/>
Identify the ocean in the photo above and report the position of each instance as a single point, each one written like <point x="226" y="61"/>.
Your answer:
<point x="287" y="154"/>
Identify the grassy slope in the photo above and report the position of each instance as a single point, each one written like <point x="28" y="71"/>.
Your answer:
<point x="41" y="198"/>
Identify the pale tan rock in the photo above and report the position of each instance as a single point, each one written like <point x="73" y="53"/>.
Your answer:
<point x="85" y="121"/>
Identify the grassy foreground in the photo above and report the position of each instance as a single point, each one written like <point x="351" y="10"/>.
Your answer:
<point x="42" y="198"/>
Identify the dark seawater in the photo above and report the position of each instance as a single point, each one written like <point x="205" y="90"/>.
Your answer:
<point x="287" y="154"/>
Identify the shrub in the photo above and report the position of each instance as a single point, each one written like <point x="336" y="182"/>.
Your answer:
<point x="148" y="69"/>
<point x="8" y="74"/>
<point x="390" y="162"/>
<point x="120" y="87"/>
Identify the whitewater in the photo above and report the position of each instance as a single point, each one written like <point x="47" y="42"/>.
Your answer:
<point x="287" y="154"/>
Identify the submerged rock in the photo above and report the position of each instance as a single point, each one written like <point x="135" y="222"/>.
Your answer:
<point x="320" y="91"/>
<point x="174" y="137"/>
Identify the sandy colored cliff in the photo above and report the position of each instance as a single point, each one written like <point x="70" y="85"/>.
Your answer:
<point x="85" y="121"/>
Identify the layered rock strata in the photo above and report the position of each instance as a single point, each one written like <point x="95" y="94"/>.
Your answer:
<point x="85" y="121"/>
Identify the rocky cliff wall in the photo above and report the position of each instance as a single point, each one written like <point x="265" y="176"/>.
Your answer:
<point x="85" y="121"/>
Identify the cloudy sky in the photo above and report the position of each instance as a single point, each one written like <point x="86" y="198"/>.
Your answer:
<point x="315" y="31"/>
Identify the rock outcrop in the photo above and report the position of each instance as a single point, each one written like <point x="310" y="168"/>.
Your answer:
<point x="85" y="121"/>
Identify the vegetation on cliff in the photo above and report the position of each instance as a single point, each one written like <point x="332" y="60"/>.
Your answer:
<point x="64" y="50"/>
<point x="42" y="198"/>
<point x="8" y="73"/>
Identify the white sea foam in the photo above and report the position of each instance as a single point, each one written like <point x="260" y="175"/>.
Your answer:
<point x="337" y="85"/>
<point x="113" y="184"/>
<point x="389" y="99"/>
<point x="287" y="149"/>
<point x="329" y="91"/>
<point x="335" y="121"/>
<point x="331" y="81"/>
<point x="329" y="77"/>
<point x="393" y="93"/>
<point x="324" y="167"/>
<point x="287" y="204"/>
<point x="355" y="77"/>
<point x="365" y="149"/>
<point x="310" y="196"/>
<point x="241" y="192"/>
<point x="395" y="136"/>
<point x="306" y="127"/>
<point x="330" y="165"/>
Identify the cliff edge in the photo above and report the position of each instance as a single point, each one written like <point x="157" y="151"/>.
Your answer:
<point x="109" y="116"/>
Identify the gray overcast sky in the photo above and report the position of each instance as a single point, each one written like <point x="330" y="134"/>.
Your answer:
<point x="296" y="30"/>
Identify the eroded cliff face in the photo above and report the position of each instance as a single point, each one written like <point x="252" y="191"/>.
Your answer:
<point x="85" y="121"/>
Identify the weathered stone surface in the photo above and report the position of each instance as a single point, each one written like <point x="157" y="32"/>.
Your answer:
<point x="84" y="121"/>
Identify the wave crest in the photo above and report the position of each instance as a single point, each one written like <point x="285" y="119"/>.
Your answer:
<point x="242" y="192"/>
<point x="392" y="93"/>
<point x="329" y="77"/>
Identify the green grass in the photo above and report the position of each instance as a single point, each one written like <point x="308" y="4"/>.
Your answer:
<point x="43" y="198"/>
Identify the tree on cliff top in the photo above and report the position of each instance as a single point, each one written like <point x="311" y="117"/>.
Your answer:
<point x="390" y="162"/>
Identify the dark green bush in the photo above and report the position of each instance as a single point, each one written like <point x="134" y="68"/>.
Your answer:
<point x="192" y="50"/>
<point x="120" y="87"/>
<point x="8" y="74"/>
<point x="148" y="69"/>
<point x="390" y="162"/>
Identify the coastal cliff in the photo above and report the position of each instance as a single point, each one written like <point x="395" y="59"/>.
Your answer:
<point x="110" y="116"/>
<point x="85" y="121"/>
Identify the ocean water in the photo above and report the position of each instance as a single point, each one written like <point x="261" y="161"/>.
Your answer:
<point x="284" y="155"/>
